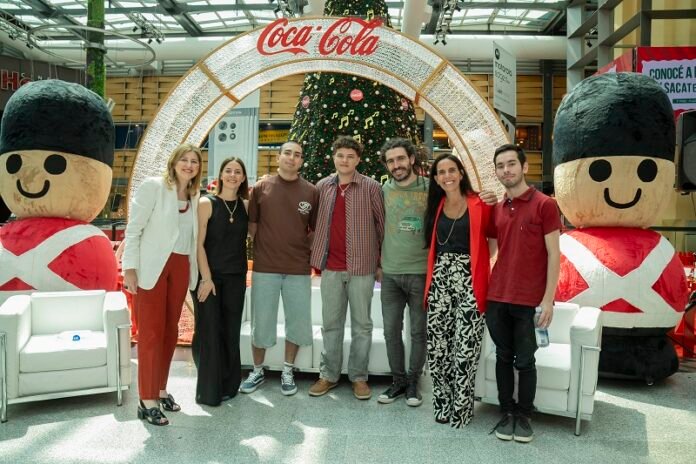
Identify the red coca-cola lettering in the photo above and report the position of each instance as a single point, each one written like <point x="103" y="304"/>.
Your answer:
<point x="277" y="38"/>
<point x="335" y="39"/>
<point x="292" y="40"/>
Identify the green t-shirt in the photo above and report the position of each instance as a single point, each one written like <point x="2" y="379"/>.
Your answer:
<point x="404" y="227"/>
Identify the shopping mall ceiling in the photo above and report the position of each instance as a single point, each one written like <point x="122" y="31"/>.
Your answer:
<point x="163" y="23"/>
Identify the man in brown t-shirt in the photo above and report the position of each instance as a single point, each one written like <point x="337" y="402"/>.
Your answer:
<point x="282" y="214"/>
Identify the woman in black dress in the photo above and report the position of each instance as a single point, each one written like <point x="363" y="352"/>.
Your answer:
<point x="219" y="297"/>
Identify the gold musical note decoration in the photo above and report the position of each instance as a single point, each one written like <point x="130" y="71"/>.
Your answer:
<point x="351" y="112"/>
<point x="375" y="114"/>
<point x="357" y="137"/>
<point x="369" y="122"/>
<point x="331" y="81"/>
<point x="335" y="115"/>
<point x="370" y="14"/>
<point x="344" y="119"/>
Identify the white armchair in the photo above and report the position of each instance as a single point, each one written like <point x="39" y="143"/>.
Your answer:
<point x="60" y="344"/>
<point x="566" y="369"/>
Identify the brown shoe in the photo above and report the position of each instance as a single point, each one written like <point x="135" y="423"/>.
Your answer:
<point x="361" y="390"/>
<point x="321" y="387"/>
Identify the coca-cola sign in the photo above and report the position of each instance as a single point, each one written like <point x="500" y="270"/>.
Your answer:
<point x="281" y="36"/>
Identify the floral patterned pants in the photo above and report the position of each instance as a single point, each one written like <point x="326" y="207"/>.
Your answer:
<point x="455" y="330"/>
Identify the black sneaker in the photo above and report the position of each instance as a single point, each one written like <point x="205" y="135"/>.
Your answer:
<point x="523" y="429"/>
<point x="392" y="393"/>
<point x="413" y="398"/>
<point x="505" y="428"/>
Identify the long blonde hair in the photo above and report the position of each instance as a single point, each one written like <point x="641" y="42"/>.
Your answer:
<point x="170" y="174"/>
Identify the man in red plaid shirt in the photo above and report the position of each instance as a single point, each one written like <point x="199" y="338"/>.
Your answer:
<point x="347" y="241"/>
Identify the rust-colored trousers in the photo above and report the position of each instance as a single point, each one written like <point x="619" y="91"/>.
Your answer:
<point x="157" y="311"/>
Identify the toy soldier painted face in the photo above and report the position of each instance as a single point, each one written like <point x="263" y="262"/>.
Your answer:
<point x="56" y="151"/>
<point x="613" y="151"/>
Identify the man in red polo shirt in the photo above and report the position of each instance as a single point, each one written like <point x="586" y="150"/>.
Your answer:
<point x="525" y="227"/>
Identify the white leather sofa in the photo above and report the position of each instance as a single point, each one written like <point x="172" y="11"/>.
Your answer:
<point x="309" y="357"/>
<point x="566" y="369"/>
<point x="60" y="344"/>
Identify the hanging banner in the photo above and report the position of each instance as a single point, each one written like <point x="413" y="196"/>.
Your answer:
<point x="504" y="81"/>
<point x="675" y="69"/>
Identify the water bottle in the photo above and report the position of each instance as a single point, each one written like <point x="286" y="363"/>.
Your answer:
<point x="541" y="334"/>
<point x="76" y="337"/>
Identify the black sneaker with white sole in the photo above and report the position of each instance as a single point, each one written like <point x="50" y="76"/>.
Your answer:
<point x="413" y="398"/>
<point x="523" y="429"/>
<point x="505" y="428"/>
<point x="394" y="391"/>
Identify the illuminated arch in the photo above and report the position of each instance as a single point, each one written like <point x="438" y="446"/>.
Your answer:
<point x="235" y="69"/>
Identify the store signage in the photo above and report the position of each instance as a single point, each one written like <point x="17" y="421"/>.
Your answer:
<point x="12" y="80"/>
<point x="674" y="68"/>
<point x="14" y="73"/>
<point x="504" y="81"/>
<point x="340" y="38"/>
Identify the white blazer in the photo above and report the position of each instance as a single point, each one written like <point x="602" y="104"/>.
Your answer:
<point x="152" y="231"/>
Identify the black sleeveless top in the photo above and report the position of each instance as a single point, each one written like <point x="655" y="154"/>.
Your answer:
<point x="225" y="241"/>
<point x="453" y="237"/>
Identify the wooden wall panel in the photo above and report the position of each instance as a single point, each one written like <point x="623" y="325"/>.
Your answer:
<point x="267" y="162"/>
<point x="559" y="91"/>
<point x="137" y="99"/>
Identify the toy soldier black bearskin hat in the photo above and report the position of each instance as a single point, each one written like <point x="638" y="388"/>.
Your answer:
<point x="614" y="114"/>
<point x="55" y="115"/>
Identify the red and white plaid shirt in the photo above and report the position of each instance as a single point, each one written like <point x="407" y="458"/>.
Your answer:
<point x="364" y="224"/>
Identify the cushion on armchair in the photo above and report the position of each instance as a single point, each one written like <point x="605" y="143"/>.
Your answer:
<point x="56" y="352"/>
<point x="55" y="312"/>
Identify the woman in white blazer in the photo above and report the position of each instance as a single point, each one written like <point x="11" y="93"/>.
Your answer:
<point x="159" y="264"/>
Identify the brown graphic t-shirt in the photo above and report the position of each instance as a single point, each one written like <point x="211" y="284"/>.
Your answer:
<point x="285" y="213"/>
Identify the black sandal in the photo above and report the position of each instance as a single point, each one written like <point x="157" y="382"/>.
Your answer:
<point x="168" y="404"/>
<point x="152" y="415"/>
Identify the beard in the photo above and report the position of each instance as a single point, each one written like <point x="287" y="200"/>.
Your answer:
<point x="401" y="173"/>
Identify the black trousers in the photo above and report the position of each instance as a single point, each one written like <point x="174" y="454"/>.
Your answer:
<point x="512" y="330"/>
<point x="215" y="345"/>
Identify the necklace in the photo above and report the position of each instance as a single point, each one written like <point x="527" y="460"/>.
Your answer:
<point x="233" y="209"/>
<point x="343" y="190"/>
<point x="459" y="216"/>
<point x="186" y="208"/>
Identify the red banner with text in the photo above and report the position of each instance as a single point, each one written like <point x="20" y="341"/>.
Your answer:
<point x="675" y="69"/>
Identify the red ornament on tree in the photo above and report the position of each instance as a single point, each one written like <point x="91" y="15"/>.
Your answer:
<point x="356" y="95"/>
<point x="305" y="101"/>
<point x="404" y="104"/>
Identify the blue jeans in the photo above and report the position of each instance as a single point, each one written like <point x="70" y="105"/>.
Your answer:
<point x="399" y="290"/>
<point x="512" y="330"/>
<point x="338" y="289"/>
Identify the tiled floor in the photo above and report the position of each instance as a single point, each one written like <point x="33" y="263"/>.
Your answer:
<point x="633" y="423"/>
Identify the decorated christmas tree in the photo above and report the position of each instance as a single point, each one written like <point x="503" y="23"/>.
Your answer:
<point x="339" y="104"/>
